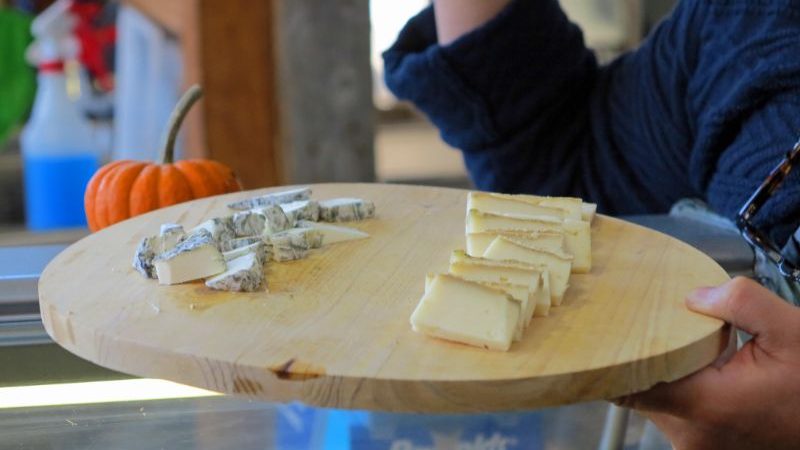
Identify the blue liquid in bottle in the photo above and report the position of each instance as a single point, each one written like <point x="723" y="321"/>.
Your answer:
<point x="54" y="187"/>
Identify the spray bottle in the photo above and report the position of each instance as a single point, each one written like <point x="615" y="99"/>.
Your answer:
<point x="59" y="149"/>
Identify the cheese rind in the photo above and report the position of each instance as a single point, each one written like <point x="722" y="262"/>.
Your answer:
<point x="147" y="250"/>
<point x="273" y="198"/>
<point x="240" y="242"/>
<point x="170" y="234"/>
<point x="470" y="313"/>
<point x="477" y="243"/>
<point x="197" y="256"/>
<point x="333" y="233"/>
<point x="345" y="209"/>
<point x="244" y="274"/>
<point x="558" y="265"/>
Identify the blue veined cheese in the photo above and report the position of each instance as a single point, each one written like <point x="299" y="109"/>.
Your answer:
<point x="294" y="243"/>
<point x="220" y="228"/>
<point x="301" y="210"/>
<point x="240" y="242"/>
<point x="332" y="234"/>
<point x="196" y="256"/>
<point x="244" y="274"/>
<point x="273" y="198"/>
<point x="262" y="251"/>
<point x="249" y="223"/>
<point x="149" y="247"/>
<point x="345" y="209"/>
<point x="275" y="220"/>
<point x="170" y="235"/>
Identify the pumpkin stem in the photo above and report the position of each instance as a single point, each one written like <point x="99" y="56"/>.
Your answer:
<point x="189" y="98"/>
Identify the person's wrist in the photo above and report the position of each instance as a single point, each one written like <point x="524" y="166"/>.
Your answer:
<point x="455" y="18"/>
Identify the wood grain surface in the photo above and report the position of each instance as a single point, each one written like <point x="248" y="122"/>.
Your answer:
<point x="333" y="329"/>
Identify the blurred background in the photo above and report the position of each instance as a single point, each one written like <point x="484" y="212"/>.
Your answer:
<point x="294" y="92"/>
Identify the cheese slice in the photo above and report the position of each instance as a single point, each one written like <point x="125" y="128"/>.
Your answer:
<point x="195" y="257"/>
<point x="244" y="274"/>
<point x="332" y="234"/>
<point x="467" y="312"/>
<point x="517" y="291"/>
<point x="510" y="204"/>
<point x="273" y="198"/>
<point x="535" y="277"/>
<point x="477" y="243"/>
<point x="577" y="233"/>
<point x="558" y="264"/>
<point x="345" y="209"/>
<point x="147" y="250"/>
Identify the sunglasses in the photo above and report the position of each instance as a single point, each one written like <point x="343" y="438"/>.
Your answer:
<point x="757" y="239"/>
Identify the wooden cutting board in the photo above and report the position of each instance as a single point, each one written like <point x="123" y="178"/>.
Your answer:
<point x="333" y="329"/>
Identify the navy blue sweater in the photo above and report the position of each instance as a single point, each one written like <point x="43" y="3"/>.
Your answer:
<point x="705" y="108"/>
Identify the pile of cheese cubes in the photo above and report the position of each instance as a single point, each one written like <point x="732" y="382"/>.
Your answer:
<point x="230" y="252"/>
<point x="519" y="255"/>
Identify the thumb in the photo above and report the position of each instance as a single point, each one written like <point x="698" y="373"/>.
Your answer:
<point x="749" y="307"/>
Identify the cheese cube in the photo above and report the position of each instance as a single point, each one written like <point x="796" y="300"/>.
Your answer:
<point x="244" y="274"/>
<point x="301" y="210"/>
<point x="345" y="209"/>
<point x="467" y="312"/>
<point x="558" y="264"/>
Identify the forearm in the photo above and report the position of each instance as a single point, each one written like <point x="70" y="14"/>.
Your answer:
<point x="455" y="18"/>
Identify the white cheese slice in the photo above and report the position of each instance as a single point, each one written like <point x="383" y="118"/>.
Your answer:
<point x="195" y="257"/>
<point x="510" y="204"/>
<point x="345" y="209"/>
<point x="577" y="233"/>
<point x="244" y="274"/>
<point x="262" y="251"/>
<point x="333" y="233"/>
<point x="477" y="243"/>
<point x="273" y="198"/>
<point x="517" y="291"/>
<point x="467" y="312"/>
<point x="572" y="206"/>
<point x="558" y="264"/>
<point x="301" y="210"/>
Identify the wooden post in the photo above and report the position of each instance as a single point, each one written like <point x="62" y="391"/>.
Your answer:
<point x="326" y="90"/>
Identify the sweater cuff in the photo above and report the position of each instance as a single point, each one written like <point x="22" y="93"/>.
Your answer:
<point x="477" y="90"/>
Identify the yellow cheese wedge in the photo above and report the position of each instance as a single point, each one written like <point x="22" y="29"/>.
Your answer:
<point x="558" y="264"/>
<point x="517" y="292"/>
<point x="478" y="242"/>
<point x="535" y="277"/>
<point x="471" y="313"/>
<point x="577" y="233"/>
<point x="511" y="204"/>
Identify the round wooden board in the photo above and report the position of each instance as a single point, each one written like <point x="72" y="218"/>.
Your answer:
<point x="333" y="329"/>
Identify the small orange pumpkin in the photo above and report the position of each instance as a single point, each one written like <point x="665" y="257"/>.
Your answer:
<point x="123" y="189"/>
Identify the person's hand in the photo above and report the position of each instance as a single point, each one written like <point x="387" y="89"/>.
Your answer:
<point x="749" y="399"/>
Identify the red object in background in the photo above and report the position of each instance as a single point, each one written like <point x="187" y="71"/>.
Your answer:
<point x="94" y="40"/>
